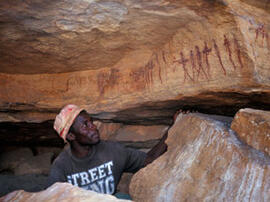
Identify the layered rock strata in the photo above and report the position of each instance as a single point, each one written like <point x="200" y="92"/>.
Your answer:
<point x="151" y="57"/>
<point x="205" y="162"/>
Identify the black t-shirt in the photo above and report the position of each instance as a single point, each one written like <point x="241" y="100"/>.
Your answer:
<point x="100" y="170"/>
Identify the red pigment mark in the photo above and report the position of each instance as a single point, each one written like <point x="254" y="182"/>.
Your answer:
<point x="227" y="45"/>
<point x="218" y="55"/>
<point x="260" y="30"/>
<point x="159" y="68"/>
<point x="149" y="72"/>
<point x="183" y="62"/>
<point x="267" y="40"/>
<point x="206" y="53"/>
<point x="238" y="51"/>
<point x="165" y="61"/>
<point x="199" y="59"/>
<point x="163" y="57"/>
<point x="137" y="74"/>
<point x="102" y="79"/>
<point x="107" y="80"/>
<point x="193" y="64"/>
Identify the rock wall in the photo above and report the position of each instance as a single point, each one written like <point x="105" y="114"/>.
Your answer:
<point x="154" y="56"/>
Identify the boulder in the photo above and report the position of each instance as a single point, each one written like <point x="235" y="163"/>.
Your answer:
<point x="205" y="162"/>
<point x="12" y="159"/>
<point x="253" y="128"/>
<point x="39" y="164"/>
<point x="132" y="61"/>
<point x="59" y="192"/>
<point x="22" y="161"/>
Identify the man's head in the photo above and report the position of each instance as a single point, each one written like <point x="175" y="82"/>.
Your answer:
<point x="83" y="130"/>
<point x="75" y="124"/>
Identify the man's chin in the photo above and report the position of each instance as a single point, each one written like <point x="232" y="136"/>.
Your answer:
<point x="96" y="141"/>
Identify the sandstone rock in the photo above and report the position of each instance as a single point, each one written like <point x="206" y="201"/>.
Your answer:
<point x="59" y="192"/>
<point x="147" y="57"/>
<point x="137" y="133"/>
<point x="138" y="136"/>
<point x="204" y="162"/>
<point x="22" y="161"/>
<point x="253" y="128"/>
<point x="40" y="164"/>
<point x="11" y="160"/>
<point x="106" y="130"/>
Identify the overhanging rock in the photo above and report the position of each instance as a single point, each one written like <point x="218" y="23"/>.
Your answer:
<point x="215" y="55"/>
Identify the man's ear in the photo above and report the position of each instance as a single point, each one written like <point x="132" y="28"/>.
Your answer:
<point x="70" y="137"/>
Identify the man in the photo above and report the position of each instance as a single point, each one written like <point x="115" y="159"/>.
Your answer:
<point x="89" y="162"/>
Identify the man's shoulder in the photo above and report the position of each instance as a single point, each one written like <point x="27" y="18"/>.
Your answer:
<point x="63" y="157"/>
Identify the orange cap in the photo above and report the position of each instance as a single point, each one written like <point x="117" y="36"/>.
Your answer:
<point x="65" y="119"/>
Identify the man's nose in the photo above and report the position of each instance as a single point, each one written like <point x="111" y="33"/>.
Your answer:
<point x="92" y="126"/>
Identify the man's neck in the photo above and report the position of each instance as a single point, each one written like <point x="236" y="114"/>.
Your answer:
<point x="80" y="151"/>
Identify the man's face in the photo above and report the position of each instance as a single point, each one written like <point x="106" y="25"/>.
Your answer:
<point x="85" y="130"/>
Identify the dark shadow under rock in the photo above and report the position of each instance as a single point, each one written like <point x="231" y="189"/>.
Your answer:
<point x="30" y="183"/>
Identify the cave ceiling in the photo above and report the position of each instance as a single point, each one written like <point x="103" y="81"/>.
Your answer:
<point x="39" y="36"/>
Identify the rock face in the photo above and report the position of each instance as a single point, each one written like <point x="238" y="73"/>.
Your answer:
<point x="59" y="192"/>
<point x="132" y="134"/>
<point x="205" y="162"/>
<point x="122" y="57"/>
<point x="253" y="128"/>
<point x="22" y="161"/>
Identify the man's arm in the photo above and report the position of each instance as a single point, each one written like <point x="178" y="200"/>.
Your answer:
<point x="161" y="147"/>
<point x="157" y="150"/>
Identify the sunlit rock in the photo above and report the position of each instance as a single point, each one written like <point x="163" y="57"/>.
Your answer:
<point x="253" y="128"/>
<point x="149" y="57"/>
<point x="204" y="162"/>
<point x="59" y="192"/>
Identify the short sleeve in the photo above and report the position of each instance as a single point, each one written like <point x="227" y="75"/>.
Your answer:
<point x="135" y="160"/>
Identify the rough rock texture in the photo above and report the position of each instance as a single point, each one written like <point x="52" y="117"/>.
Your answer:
<point x="138" y="136"/>
<point x="11" y="160"/>
<point x="59" y="192"/>
<point x="136" y="133"/>
<point x="253" y="128"/>
<point x="107" y="130"/>
<point x="204" y="162"/>
<point x="135" y="60"/>
<point x="22" y="161"/>
<point x="40" y="164"/>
